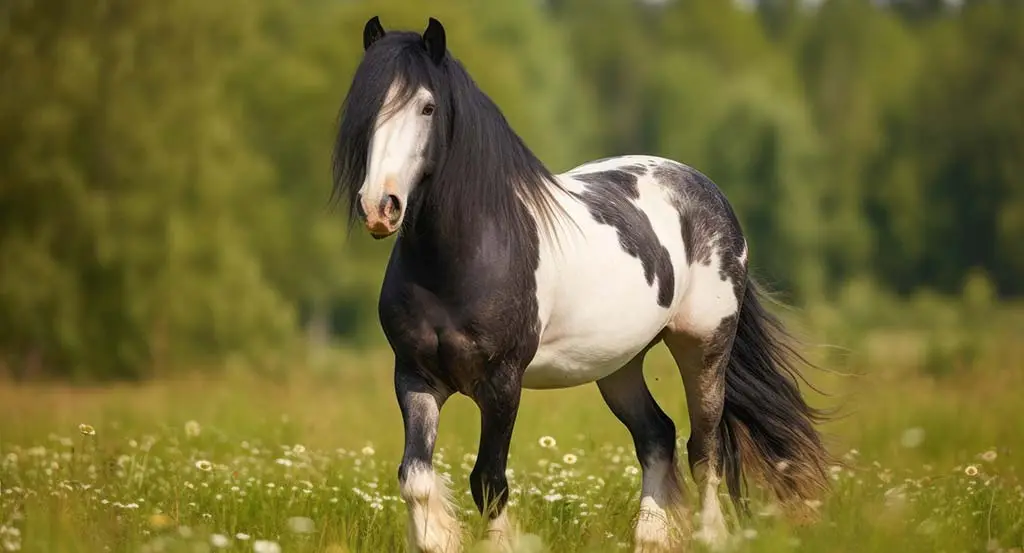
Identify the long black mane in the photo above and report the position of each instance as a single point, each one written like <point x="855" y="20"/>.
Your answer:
<point x="479" y="169"/>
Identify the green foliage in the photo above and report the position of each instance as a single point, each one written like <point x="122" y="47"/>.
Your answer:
<point x="129" y="192"/>
<point x="164" y="167"/>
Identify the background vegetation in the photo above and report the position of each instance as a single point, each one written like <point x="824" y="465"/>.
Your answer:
<point x="166" y="237"/>
<point x="164" y="166"/>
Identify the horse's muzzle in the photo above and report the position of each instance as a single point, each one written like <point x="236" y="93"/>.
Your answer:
<point x="385" y="219"/>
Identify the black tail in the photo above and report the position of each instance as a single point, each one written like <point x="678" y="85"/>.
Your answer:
<point x="767" y="427"/>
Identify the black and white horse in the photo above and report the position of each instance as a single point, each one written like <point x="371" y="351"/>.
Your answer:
<point x="505" y="276"/>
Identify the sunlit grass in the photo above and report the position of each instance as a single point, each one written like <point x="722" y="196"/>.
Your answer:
<point x="310" y="464"/>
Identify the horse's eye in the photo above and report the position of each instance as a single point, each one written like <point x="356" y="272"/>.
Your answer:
<point x="428" y="109"/>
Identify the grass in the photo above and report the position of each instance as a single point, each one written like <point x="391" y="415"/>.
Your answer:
<point x="309" y="463"/>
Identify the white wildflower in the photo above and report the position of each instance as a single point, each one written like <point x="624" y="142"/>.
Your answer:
<point x="301" y="525"/>
<point x="192" y="429"/>
<point x="912" y="437"/>
<point x="265" y="546"/>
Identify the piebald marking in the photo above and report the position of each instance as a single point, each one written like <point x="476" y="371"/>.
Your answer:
<point x="480" y="298"/>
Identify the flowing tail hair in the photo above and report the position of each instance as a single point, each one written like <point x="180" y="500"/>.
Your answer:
<point x="767" y="427"/>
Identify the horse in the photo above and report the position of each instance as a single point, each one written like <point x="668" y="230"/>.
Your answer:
<point x="504" y="276"/>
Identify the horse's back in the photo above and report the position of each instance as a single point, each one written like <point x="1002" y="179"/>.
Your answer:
<point x="627" y="266"/>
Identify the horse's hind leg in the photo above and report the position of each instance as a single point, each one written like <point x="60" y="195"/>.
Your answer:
<point x="432" y="527"/>
<point x="654" y="436"/>
<point x="702" y="363"/>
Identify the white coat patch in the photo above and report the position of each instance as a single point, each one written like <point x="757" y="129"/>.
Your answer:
<point x="596" y="308"/>
<point x="709" y="299"/>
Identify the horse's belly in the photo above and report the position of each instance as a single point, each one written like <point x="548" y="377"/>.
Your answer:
<point x="584" y="342"/>
<point x="569" y="363"/>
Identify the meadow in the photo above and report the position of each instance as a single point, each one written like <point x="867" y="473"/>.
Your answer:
<point x="928" y="448"/>
<point x="164" y="203"/>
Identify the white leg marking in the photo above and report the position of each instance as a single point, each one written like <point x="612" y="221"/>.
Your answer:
<point x="432" y="526"/>
<point x="712" y="522"/>
<point x="659" y="496"/>
<point x="501" y="534"/>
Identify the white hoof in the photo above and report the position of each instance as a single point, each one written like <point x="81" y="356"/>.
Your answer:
<point x="713" y="533"/>
<point x="501" y="534"/>
<point x="434" y="538"/>
<point x="432" y="528"/>
<point x="652" y="533"/>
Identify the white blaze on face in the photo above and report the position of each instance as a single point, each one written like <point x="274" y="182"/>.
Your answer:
<point x="396" y="160"/>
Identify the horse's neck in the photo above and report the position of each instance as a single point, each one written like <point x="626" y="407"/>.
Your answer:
<point x="480" y="245"/>
<point x="440" y="252"/>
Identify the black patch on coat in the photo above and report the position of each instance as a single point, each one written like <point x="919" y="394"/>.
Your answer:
<point x="463" y="315"/>
<point x="607" y="197"/>
<point x="627" y="182"/>
<point x="707" y="220"/>
<point x="635" y="168"/>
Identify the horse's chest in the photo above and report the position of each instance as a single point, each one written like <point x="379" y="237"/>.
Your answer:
<point x="460" y="338"/>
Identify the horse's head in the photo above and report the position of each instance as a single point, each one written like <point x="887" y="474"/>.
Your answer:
<point x="392" y="123"/>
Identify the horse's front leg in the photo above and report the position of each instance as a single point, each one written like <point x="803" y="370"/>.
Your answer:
<point x="432" y="525"/>
<point x="497" y="396"/>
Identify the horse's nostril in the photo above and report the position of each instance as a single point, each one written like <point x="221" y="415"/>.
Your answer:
<point x="393" y="208"/>
<point x="359" y="207"/>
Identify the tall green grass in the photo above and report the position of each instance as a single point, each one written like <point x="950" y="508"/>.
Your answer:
<point x="309" y="462"/>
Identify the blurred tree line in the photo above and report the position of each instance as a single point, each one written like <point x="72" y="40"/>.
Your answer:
<point x="165" y="165"/>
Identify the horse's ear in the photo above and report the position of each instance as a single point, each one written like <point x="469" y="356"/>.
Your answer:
<point x="434" y="41"/>
<point x="372" y="32"/>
